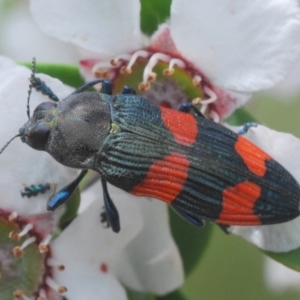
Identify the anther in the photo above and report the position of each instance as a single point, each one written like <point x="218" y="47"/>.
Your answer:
<point x="18" y="251"/>
<point x="114" y="62"/>
<point x="43" y="246"/>
<point x="197" y="101"/>
<point x="52" y="262"/>
<point x="125" y="70"/>
<point x="101" y="73"/>
<point x="151" y="77"/>
<point x="18" y="293"/>
<point x="12" y="218"/>
<point x="14" y="235"/>
<point x="196" y="80"/>
<point x="53" y="285"/>
<point x="144" y="86"/>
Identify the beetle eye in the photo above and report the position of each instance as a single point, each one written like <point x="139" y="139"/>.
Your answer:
<point x="45" y="106"/>
<point x="38" y="137"/>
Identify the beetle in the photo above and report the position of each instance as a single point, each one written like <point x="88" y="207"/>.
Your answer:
<point x="203" y="170"/>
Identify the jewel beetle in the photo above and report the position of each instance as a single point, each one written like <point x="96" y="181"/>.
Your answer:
<point x="203" y="170"/>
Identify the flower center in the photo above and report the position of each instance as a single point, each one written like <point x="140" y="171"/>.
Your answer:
<point x="25" y="259"/>
<point x="163" y="79"/>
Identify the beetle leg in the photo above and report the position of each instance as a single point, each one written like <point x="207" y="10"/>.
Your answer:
<point x="65" y="193"/>
<point x="187" y="107"/>
<point x="111" y="210"/>
<point x="246" y="127"/>
<point x="128" y="90"/>
<point x="105" y="89"/>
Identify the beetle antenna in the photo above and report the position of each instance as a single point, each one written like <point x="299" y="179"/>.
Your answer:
<point x="4" y="147"/>
<point x="33" y="69"/>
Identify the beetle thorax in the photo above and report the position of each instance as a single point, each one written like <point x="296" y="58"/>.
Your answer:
<point x="83" y="123"/>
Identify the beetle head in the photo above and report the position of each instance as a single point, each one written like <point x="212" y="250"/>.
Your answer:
<point x="36" y="130"/>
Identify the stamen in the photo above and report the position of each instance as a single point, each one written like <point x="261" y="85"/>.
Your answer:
<point x="125" y="57"/>
<point x="174" y="61"/>
<point x="53" y="285"/>
<point x="52" y="262"/>
<point x="26" y="229"/>
<point x="24" y="297"/>
<point x="12" y="217"/>
<point x="18" y="251"/>
<point x="42" y="295"/>
<point x="43" y="245"/>
<point x="215" y="117"/>
<point x="14" y="235"/>
<point x="135" y="56"/>
<point x="100" y="66"/>
<point x="155" y="58"/>
<point x="212" y="95"/>
<point x="196" y="80"/>
<point x="203" y="108"/>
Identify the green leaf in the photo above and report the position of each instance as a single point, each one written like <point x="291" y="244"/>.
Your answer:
<point x="72" y="206"/>
<point x="290" y="259"/>
<point x="192" y="241"/>
<point x="177" y="295"/>
<point x="133" y="295"/>
<point x="240" y="117"/>
<point x="68" y="74"/>
<point x="154" y="13"/>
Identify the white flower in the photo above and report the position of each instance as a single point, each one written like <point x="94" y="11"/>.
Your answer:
<point x="229" y="48"/>
<point x="21" y="39"/>
<point x="150" y="262"/>
<point x="279" y="278"/>
<point x="20" y="165"/>
<point x="93" y="256"/>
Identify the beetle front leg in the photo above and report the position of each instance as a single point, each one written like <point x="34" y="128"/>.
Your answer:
<point x="111" y="210"/>
<point x="65" y="193"/>
<point x="105" y="89"/>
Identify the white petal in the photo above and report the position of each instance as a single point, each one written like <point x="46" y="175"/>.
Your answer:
<point x="19" y="164"/>
<point x="89" y="251"/>
<point x="151" y="262"/>
<point x="285" y="148"/>
<point x="280" y="278"/>
<point x="239" y="45"/>
<point x="103" y="27"/>
<point x="32" y="42"/>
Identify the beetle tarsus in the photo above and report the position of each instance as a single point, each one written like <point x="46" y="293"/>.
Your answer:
<point x="35" y="189"/>
<point x="104" y="218"/>
<point x="246" y="127"/>
<point x="111" y="210"/>
<point x="65" y="193"/>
